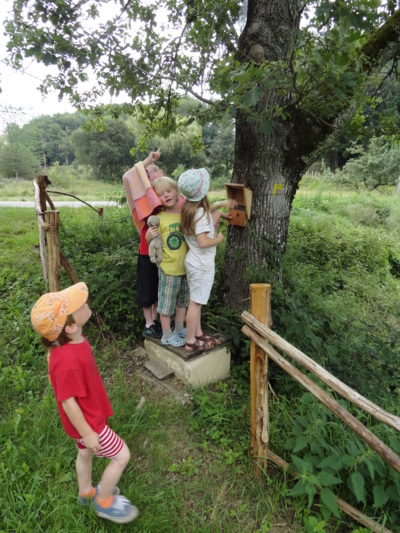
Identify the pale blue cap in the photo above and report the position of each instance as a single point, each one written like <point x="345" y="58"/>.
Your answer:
<point x="194" y="184"/>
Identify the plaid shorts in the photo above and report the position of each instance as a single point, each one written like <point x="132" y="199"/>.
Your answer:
<point x="172" y="292"/>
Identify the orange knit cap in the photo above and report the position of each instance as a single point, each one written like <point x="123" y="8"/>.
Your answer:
<point x="49" y="314"/>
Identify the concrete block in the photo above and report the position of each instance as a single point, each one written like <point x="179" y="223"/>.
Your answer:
<point x="201" y="370"/>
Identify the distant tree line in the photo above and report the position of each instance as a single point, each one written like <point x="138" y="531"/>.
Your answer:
<point x="111" y="145"/>
<point x="108" y="146"/>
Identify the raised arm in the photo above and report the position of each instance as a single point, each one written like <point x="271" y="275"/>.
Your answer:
<point x="229" y="203"/>
<point x="152" y="158"/>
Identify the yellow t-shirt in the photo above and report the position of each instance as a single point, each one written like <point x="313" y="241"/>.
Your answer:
<point x="174" y="244"/>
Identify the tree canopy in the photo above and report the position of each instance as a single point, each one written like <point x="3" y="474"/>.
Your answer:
<point x="161" y="50"/>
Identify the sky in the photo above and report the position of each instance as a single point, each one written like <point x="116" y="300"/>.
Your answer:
<point x="20" y="88"/>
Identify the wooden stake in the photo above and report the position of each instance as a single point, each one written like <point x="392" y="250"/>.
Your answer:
<point x="42" y="181"/>
<point x="347" y="392"/>
<point x="260" y="303"/>
<point x="52" y="218"/>
<point x="42" y="240"/>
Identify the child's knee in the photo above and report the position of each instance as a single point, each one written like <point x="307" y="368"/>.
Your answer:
<point x="123" y="457"/>
<point x="84" y="454"/>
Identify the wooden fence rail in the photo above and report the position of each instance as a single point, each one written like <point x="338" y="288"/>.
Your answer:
<point x="256" y="329"/>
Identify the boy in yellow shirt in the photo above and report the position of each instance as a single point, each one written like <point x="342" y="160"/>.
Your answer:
<point x="173" y="293"/>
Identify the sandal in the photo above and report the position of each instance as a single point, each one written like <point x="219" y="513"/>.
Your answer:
<point x="209" y="339"/>
<point x="197" y="347"/>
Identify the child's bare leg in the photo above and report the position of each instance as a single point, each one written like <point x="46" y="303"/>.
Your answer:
<point x="165" y="322"/>
<point x="113" y="472"/>
<point x="84" y="470"/>
<point x="193" y="319"/>
<point x="180" y="315"/>
<point x="148" y="315"/>
<point x="154" y="311"/>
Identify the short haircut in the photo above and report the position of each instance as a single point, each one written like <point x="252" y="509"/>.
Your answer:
<point x="163" y="184"/>
<point x="63" y="338"/>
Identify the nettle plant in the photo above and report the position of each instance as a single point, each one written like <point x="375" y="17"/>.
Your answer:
<point x="328" y="456"/>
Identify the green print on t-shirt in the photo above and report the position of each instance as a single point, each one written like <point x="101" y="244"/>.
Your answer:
<point x="175" y="237"/>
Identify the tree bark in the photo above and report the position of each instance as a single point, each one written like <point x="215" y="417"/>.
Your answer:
<point x="265" y="163"/>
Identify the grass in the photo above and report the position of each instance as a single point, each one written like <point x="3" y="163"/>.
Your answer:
<point x="179" y="479"/>
<point x="190" y="469"/>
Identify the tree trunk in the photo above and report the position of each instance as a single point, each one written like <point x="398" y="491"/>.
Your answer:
<point x="254" y="254"/>
<point x="272" y="165"/>
<point x="269" y="164"/>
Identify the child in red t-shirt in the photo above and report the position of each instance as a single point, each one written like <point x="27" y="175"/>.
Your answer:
<point x="147" y="272"/>
<point x="82" y="400"/>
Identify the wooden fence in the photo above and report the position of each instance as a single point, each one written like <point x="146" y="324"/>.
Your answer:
<point x="49" y="223"/>
<point x="257" y="328"/>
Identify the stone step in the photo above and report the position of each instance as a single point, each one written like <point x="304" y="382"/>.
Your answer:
<point x="198" y="370"/>
<point x="158" y="368"/>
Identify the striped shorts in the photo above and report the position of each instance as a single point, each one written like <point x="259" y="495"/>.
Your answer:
<point x="111" y="444"/>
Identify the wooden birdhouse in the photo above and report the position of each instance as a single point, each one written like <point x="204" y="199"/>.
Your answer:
<point x="243" y="196"/>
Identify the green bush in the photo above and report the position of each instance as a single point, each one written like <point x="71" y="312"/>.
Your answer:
<point x="331" y="457"/>
<point x="337" y="302"/>
<point x="103" y="253"/>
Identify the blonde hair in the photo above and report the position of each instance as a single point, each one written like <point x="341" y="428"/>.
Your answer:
<point x="188" y="213"/>
<point x="163" y="184"/>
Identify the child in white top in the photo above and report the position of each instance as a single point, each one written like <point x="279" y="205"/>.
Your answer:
<point x="198" y="228"/>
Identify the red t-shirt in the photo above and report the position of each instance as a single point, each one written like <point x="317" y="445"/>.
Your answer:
<point x="74" y="373"/>
<point x="144" y="245"/>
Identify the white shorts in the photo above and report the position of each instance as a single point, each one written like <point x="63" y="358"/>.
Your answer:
<point x="200" y="283"/>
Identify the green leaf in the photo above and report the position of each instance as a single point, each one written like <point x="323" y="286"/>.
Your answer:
<point x="266" y="126"/>
<point x="329" y="462"/>
<point x="329" y="500"/>
<point x="299" y="489"/>
<point x="311" y="491"/>
<point x="326" y="479"/>
<point x="301" y="465"/>
<point x="66" y="477"/>
<point x="395" y="444"/>
<point x="301" y="443"/>
<point x="357" y="484"/>
<point x="348" y="460"/>
<point x="380" y="496"/>
<point x="251" y="97"/>
<point x="370" y="467"/>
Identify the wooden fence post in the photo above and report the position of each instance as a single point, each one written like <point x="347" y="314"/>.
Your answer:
<point x="52" y="218"/>
<point x="260" y="308"/>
